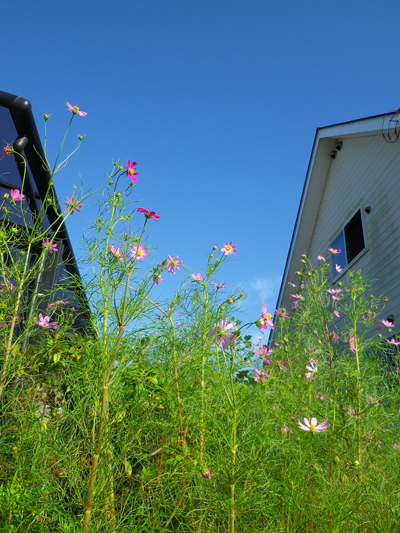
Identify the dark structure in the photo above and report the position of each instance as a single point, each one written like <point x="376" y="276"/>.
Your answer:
<point x="17" y="127"/>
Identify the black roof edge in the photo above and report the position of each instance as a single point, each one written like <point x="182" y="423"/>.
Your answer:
<point x="21" y="113"/>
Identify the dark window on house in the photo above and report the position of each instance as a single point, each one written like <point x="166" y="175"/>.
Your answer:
<point x="350" y="241"/>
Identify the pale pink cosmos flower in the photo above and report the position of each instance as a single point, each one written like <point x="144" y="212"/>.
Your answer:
<point x="334" y="291"/>
<point x="260" y="375"/>
<point x="312" y="425"/>
<point x="148" y="213"/>
<point x="351" y="343"/>
<point x="228" y="248"/>
<point x="351" y="411"/>
<point x="320" y="258"/>
<point x="72" y="205"/>
<point x="9" y="286"/>
<point x="197" y="277"/>
<point x="395" y="446"/>
<point x="336" y="313"/>
<point x="387" y="323"/>
<point x="281" y="312"/>
<point x="131" y="171"/>
<point x="57" y="302"/>
<point x="263" y="352"/>
<point x="222" y="335"/>
<point x="265" y="319"/>
<point x="138" y="252"/>
<point x="16" y="195"/>
<point x="116" y="252"/>
<point x="297" y="296"/>
<point x="291" y="284"/>
<point x="336" y="298"/>
<point x="333" y="251"/>
<point x="218" y="285"/>
<point x="392" y="342"/>
<point x="51" y="246"/>
<point x="44" y="322"/>
<point x="173" y="264"/>
<point x="337" y="268"/>
<point x="312" y="367"/>
<point x="6" y="150"/>
<point x="371" y="399"/>
<point x="285" y="429"/>
<point x="75" y="110"/>
<point x="158" y="279"/>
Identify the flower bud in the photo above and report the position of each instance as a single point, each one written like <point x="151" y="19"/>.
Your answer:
<point x="110" y="182"/>
<point x="14" y="448"/>
<point x="120" y="168"/>
<point x="46" y="117"/>
<point x="214" y="247"/>
<point x="230" y="301"/>
<point x="80" y="137"/>
<point x="211" y="255"/>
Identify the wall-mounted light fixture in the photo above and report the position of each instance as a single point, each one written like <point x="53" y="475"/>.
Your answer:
<point x="333" y="154"/>
<point x="390" y="318"/>
<point x="368" y="209"/>
<point x="338" y="145"/>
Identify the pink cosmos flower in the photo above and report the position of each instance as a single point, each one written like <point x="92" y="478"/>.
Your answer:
<point x="75" y="110"/>
<point x="218" y="285"/>
<point x="116" y="252"/>
<point x="58" y="302"/>
<point x="197" y="277"/>
<point x="337" y="268"/>
<point x="334" y="336"/>
<point x="378" y="327"/>
<point x="351" y="343"/>
<point x="392" y="342"/>
<point x="297" y="296"/>
<point x="148" y="214"/>
<point x="371" y="399"/>
<point x="138" y="252"/>
<point x="291" y="284"/>
<point x="387" y="323"/>
<point x="260" y="375"/>
<point x="16" y="195"/>
<point x="172" y="264"/>
<point x="281" y="312"/>
<point x="263" y="352"/>
<point x="320" y="258"/>
<point x="131" y="171"/>
<point x="285" y="429"/>
<point x="395" y="446"/>
<point x="336" y="313"/>
<point x="229" y="248"/>
<point x="9" y="286"/>
<point x="336" y="298"/>
<point x="222" y="335"/>
<point x="351" y="411"/>
<point x="312" y="425"/>
<point x="51" y="246"/>
<point x="265" y="319"/>
<point x="334" y="291"/>
<point x="72" y="205"/>
<point x="6" y="150"/>
<point x="158" y="279"/>
<point x="44" y="322"/>
<point x="333" y="251"/>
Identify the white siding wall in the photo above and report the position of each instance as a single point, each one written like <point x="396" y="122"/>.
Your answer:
<point x="365" y="172"/>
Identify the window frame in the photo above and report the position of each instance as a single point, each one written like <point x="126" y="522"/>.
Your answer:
<point x="342" y="232"/>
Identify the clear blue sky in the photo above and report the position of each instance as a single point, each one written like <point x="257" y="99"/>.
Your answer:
<point x="217" y="101"/>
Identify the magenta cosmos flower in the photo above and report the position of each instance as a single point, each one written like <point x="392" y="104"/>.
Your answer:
<point x="138" y="252"/>
<point x="50" y="246"/>
<point x="148" y="214"/>
<point x="336" y="313"/>
<point x="222" y="335"/>
<point x="197" y="277"/>
<point x="265" y="319"/>
<point x="75" y="110"/>
<point x="44" y="322"/>
<point x="116" y="252"/>
<point x="72" y="205"/>
<point x="16" y="195"/>
<point x="6" y="150"/>
<point x="173" y="264"/>
<point x="351" y="343"/>
<point x="229" y="248"/>
<point x="131" y="170"/>
<point x="312" y="425"/>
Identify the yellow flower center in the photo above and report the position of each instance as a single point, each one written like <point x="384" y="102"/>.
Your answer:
<point x="75" y="108"/>
<point x="130" y="171"/>
<point x="173" y="262"/>
<point x="117" y="254"/>
<point x="139" y="252"/>
<point x="228" y="247"/>
<point x="312" y="428"/>
<point x="267" y="316"/>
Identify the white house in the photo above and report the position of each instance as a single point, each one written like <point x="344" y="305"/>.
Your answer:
<point x="351" y="201"/>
